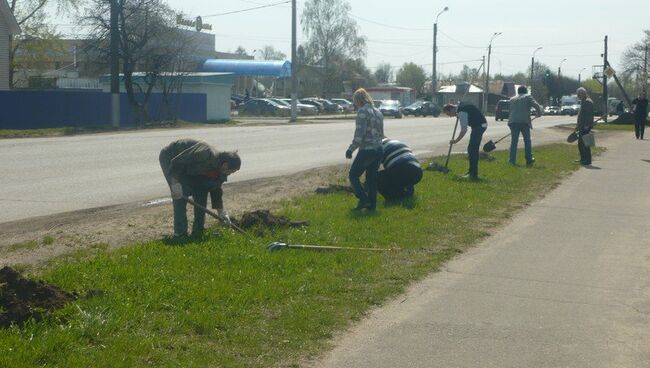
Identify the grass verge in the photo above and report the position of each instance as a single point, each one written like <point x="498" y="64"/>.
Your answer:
<point x="224" y="301"/>
<point x="624" y="127"/>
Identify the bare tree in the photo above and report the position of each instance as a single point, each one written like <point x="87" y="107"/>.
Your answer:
<point x="634" y="61"/>
<point x="332" y="38"/>
<point x="270" y="53"/>
<point x="384" y="73"/>
<point x="38" y="38"/>
<point x="148" y="43"/>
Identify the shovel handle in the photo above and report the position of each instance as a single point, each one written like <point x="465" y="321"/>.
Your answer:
<point x="450" y="145"/>
<point x="213" y="214"/>
<point x="330" y="247"/>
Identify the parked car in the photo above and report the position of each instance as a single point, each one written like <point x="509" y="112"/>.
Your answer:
<point x="304" y="108"/>
<point x="428" y="108"/>
<point x="502" y="110"/>
<point x="570" y="109"/>
<point x="377" y="103"/>
<point x="328" y="106"/>
<point x="552" y="110"/>
<point x="263" y="106"/>
<point x="347" y="106"/>
<point x="314" y="103"/>
<point x="410" y="109"/>
<point x="391" y="108"/>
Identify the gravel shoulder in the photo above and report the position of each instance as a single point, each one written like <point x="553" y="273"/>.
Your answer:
<point x="33" y="241"/>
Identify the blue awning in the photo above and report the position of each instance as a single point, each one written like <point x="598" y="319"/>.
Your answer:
<point x="279" y="69"/>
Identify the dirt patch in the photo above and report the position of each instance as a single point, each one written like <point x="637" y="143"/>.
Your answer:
<point x="264" y="218"/>
<point x="334" y="188"/>
<point x="22" y="299"/>
<point x="32" y="242"/>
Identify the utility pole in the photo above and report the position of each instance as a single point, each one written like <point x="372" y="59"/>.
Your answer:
<point x="645" y="70"/>
<point x="605" y="97"/>
<point x="532" y="68"/>
<point x="434" y="76"/>
<point x="487" y="75"/>
<point x="115" y="67"/>
<point x="294" y="66"/>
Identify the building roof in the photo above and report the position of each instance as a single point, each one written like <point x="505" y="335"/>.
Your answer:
<point x="452" y="89"/>
<point x="389" y="89"/>
<point x="8" y="17"/>
<point x="267" y="68"/>
<point x="187" y="78"/>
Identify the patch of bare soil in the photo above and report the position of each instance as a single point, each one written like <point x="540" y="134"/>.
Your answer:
<point x="334" y="188"/>
<point x="265" y="219"/>
<point x="22" y="299"/>
<point x="34" y="241"/>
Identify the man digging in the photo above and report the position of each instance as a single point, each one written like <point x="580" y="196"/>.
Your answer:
<point x="469" y="116"/>
<point x="194" y="168"/>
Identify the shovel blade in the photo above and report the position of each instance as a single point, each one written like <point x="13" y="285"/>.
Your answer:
<point x="276" y="246"/>
<point x="489" y="146"/>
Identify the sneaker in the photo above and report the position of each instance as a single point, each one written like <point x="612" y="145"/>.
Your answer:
<point x="469" y="177"/>
<point x="362" y="204"/>
<point x="531" y="162"/>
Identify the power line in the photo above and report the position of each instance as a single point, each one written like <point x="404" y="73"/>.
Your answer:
<point x="389" y="26"/>
<point x="247" y="9"/>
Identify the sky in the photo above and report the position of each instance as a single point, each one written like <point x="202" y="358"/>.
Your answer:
<point x="402" y="31"/>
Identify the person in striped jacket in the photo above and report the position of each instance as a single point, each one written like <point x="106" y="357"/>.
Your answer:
<point x="401" y="171"/>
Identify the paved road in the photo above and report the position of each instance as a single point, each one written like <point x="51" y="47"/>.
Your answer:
<point x="565" y="284"/>
<point x="44" y="176"/>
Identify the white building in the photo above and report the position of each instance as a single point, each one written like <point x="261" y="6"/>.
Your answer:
<point x="215" y="86"/>
<point x="8" y="28"/>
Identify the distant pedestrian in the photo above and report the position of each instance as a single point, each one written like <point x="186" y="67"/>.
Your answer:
<point x="584" y="124"/>
<point x="367" y="138"/>
<point x="620" y="108"/>
<point x="519" y="122"/>
<point x="194" y="168"/>
<point x="401" y="171"/>
<point x="469" y="116"/>
<point x="640" y="109"/>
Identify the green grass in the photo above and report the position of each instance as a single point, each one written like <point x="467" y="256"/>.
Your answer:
<point x="624" y="127"/>
<point x="224" y="301"/>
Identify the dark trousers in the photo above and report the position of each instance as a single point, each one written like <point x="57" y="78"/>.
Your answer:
<point x="367" y="160"/>
<point x="639" y="127"/>
<point x="585" y="152"/>
<point x="473" y="150"/>
<point x="398" y="181"/>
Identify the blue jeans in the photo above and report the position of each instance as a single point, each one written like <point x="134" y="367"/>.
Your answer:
<point x="367" y="160"/>
<point x="524" y="129"/>
<point x="473" y="150"/>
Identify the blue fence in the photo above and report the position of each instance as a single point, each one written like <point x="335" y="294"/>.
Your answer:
<point x="60" y="108"/>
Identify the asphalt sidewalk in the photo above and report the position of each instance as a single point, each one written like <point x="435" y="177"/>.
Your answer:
<point x="565" y="284"/>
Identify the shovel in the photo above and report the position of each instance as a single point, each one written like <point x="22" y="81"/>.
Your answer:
<point x="213" y="214"/>
<point x="280" y="245"/>
<point x="434" y="166"/>
<point x="491" y="146"/>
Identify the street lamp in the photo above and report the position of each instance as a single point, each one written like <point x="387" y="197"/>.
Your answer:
<point x="559" y="68"/>
<point x="434" y="77"/>
<point x="487" y="74"/>
<point x="532" y="68"/>
<point x="580" y="74"/>
<point x="559" y="78"/>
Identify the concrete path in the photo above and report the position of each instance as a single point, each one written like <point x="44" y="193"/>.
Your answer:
<point x="565" y="284"/>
